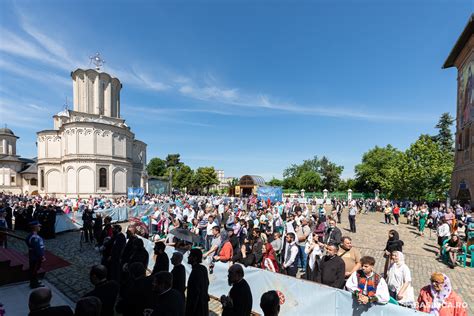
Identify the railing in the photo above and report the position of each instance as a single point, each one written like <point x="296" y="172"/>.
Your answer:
<point x="8" y="233"/>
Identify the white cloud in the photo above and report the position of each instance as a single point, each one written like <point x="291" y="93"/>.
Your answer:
<point x="16" y="113"/>
<point x="58" y="52"/>
<point x="44" y="77"/>
<point x="49" y="51"/>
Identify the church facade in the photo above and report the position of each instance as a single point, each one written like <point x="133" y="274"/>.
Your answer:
<point x="462" y="57"/>
<point x="17" y="175"/>
<point x="90" y="151"/>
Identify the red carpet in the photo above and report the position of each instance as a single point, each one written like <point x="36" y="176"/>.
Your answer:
<point x="53" y="262"/>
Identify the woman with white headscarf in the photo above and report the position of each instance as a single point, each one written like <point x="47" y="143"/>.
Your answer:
<point x="438" y="298"/>
<point x="399" y="280"/>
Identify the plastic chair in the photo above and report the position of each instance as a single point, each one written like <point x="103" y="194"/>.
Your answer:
<point x="462" y="257"/>
<point x="471" y="250"/>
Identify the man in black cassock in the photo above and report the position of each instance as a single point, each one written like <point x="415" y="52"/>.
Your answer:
<point x="332" y="269"/>
<point x="179" y="273"/>
<point x="168" y="302"/>
<point x="239" y="301"/>
<point x="197" y="302"/>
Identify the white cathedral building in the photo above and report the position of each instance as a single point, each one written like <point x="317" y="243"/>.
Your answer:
<point x="90" y="151"/>
<point x="17" y="175"/>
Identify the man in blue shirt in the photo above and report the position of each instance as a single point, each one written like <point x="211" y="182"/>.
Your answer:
<point x="35" y="253"/>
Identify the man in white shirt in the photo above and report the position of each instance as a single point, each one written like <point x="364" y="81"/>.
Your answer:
<point x="291" y="251"/>
<point x="367" y="286"/>
<point x="210" y="225"/>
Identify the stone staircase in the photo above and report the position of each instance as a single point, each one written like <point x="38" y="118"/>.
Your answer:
<point x="14" y="267"/>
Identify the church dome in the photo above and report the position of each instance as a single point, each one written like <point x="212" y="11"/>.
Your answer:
<point x="6" y="131"/>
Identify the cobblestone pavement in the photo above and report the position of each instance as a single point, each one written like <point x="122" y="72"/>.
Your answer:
<point x="73" y="280"/>
<point x="420" y="253"/>
<point x="370" y="238"/>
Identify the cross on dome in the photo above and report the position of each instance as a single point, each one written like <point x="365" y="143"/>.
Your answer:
<point x="97" y="61"/>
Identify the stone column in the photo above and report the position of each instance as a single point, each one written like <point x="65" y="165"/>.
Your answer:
<point x="5" y="149"/>
<point x="118" y="104"/>
<point x="96" y="95"/>
<point x="75" y="96"/>
<point x="325" y="194"/>
<point x="302" y="193"/>
<point x="349" y="194"/>
<point x="108" y="99"/>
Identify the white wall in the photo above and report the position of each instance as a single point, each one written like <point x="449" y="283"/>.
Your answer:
<point x="120" y="181"/>
<point x="86" y="142"/>
<point x="86" y="180"/>
<point x="53" y="181"/>
<point x="71" y="142"/>
<point x="53" y="147"/>
<point x="104" y="143"/>
<point x="71" y="180"/>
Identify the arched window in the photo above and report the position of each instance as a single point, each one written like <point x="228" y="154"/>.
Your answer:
<point x="102" y="178"/>
<point x="42" y="179"/>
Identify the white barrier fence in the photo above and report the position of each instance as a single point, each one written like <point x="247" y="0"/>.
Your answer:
<point x="301" y="297"/>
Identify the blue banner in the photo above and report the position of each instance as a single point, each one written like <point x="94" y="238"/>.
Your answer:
<point x="272" y="193"/>
<point x="135" y="192"/>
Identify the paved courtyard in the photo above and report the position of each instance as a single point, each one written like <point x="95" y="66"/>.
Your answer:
<point x="370" y="238"/>
<point x="420" y="253"/>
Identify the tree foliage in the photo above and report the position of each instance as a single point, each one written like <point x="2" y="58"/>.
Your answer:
<point x="274" y="182"/>
<point x="312" y="175"/>
<point x="445" y="136"/>
<point x="309" y="181"/>
<point x="183" y="178"/>
<point x="205" y="177"/>
<point x="331" y="174"/>
<point x="347" y="184"/>
<point x="377" y="169"/>
<point x="181" y="175"/>
<point x="156" y="167"/>
<point x="424" y="172"/>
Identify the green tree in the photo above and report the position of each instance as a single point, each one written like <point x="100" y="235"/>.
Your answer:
<point x="310" y="181"/>
<point x="172" y="160"/>
<point x="331" y="174"/>
<point x="156" y="167"/>
<point x="347" y="184"/>
<point x="424" y="171"/>
<point x="296" y="175"/>
<point x="445" y="137"/>
<point x="292" y="174"/>
<point x="377" y="169"/>
<point x="205" y="177"/>
<point x="274" y="182"/>
<point x="183" y="177"/>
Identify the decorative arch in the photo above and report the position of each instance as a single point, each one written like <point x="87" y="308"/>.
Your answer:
<point x="119" y="182"/>
<point x="71" y="180"/>
<point x="85" y="180"/>
<point x="53" y="181"/>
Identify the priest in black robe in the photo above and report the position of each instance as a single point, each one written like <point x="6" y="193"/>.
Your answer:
<point x="239" y="301"/>
<point x="197" y="302"/>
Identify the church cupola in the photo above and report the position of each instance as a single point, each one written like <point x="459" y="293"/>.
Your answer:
<point x="7" y="142"/>
<point x="96" y="92"/>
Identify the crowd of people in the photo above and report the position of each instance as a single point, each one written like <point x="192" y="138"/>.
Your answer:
<point x="297" y="239"/>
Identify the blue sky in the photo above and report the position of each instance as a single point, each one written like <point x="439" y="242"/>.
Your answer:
<point x="249" y="87"/>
